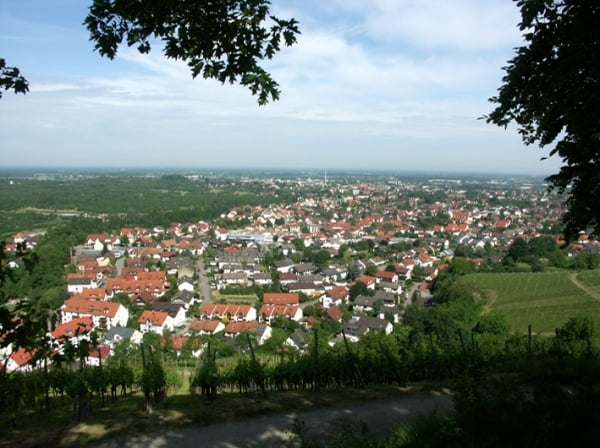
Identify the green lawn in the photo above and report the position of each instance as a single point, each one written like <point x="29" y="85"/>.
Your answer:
<point x="545" y="300"/>
<point x="591" y="279"/>
<point x="249" y="299"/>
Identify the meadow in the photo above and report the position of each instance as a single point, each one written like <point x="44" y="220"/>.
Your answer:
<point x="545" y="300"/>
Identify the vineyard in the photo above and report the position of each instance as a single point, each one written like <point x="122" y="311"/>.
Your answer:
<point x="435" y="350"/>
<point x="545" y="300"/>
<point x="591" y="279"/>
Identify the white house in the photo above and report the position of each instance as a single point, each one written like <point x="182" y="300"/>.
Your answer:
<point x="228" y="312"/>
<point x="104" y="314"/>
<point x="268" y="312"/>
<point x="358" y="326"/>
<point x="335" y="296"/>
<point x="76" y="283"/>
<point x="155" y="322"/>
<point x="297" y="340"/>
<point x="261" y="330"/>
<point x="284" y="266"/>
<point x="175" y="310"/>
<point x="19" y="361"/>
<point x="185" y="284"/>
<point x="98" y="355"/>
<point x="118" y="334"/>
<point x="207" y="326"/>
<point x="74" y="331"/>
<point x="235" y="278"/>
<point x="99" y="241"/>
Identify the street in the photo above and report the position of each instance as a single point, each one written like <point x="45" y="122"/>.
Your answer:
<point x="379" y="418"/>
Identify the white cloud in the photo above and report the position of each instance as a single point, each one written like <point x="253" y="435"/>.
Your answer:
<point x="325" y="77"/>
<point x="156" y="63"/>
<point x="386" y="81"/>
<point x="53" y="87"/>
<point x="459" y="25"/>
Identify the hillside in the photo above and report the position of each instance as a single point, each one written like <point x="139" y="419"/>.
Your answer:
<point x="545" y="300"/>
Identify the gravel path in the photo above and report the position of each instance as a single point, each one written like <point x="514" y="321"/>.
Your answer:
<point x="378" y="417"/>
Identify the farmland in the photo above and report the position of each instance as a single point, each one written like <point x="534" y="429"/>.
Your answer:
<point x="591" y="279"/>
<point x="544" y="300"/>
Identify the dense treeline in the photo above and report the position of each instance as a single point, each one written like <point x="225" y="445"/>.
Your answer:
<point x="527" y="255"/>
<point x="52" y="256"/>
<point x="538" y="253"/>
<point x="136" y="200"/>
<point x="37" y="289"/>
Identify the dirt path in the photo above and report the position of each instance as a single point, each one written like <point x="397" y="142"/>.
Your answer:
<point x="585" y="288"/>
<point x="378" y="417"/>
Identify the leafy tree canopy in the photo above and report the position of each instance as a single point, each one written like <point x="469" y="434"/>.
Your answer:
<point x="461" y="266"/>
<point x="11" y="79"/>
<point x="358" y="289"/>
<point x="224" y="40"/>
<point x="551" y="90"/>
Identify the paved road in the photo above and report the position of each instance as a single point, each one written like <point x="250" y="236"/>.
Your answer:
<point x="203" y="286"/>
<point x="379" y="417"/>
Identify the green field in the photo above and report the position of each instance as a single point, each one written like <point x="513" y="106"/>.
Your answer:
<point x="250" y="299"/>
<point x="591" y="279"/>
<point x="545" y="300"/>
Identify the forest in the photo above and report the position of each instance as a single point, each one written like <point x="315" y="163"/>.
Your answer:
<point x="30" y="203"/>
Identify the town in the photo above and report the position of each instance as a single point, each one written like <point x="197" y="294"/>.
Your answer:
<point x="351" y="254"/>
<point x="398" y="248"/>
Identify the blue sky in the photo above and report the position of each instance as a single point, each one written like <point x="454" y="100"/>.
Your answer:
<point x="379" y="84"/>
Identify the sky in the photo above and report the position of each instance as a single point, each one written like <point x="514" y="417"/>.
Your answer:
<point x="375" y="85"/>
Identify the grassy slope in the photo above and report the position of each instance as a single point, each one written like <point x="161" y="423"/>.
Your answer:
<point x="545" y="300"/>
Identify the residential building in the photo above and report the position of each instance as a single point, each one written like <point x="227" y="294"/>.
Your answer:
<point x="105" y="315"/>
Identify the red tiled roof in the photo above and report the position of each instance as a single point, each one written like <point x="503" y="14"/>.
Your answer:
<point x="130" y="286"/>
<point x="425" y="258"/>
<point x="387" y="275"/>
<point x="335" y="313"/>
<point x="99" y="352"/>
<point x="206" y="325"/>
<point x="179" y="341"/>
<point x="90" y="307"/>
<point x="223" y="309"/>
<point x="156" y="318"/>
<point x="310" y="320"/>
<point x="366" y="279"/>
<point x="339" y="292"/>
<point x="281" y="298"/>
<point x="93" y="293"/>
<point x="233" y="327"/>
<point x="73" y="276"/>
<point x="21" y="357"/>
<point x="278" y="310"/>
<point x="73" y="328"/>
